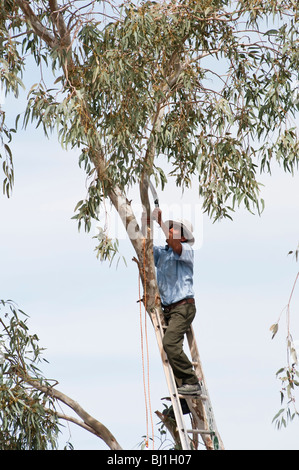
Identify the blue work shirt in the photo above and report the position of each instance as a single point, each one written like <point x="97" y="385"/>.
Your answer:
<point x="174" y="273"/>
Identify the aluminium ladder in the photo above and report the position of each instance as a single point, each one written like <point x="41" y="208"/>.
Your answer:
<point x="202" y="416"/>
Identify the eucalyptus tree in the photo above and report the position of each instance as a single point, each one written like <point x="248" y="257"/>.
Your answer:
<point x="30" y="411"/>
<point x="209" y="86"/>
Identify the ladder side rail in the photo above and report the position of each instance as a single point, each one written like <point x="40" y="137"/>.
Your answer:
<point x="184" y="437"/>
<point x="207" y="404"/>
<point x="199" y="421"/>
<point x="200" y="416"/>
<point x="198" y="411"/>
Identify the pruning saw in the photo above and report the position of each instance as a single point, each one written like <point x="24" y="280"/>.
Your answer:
<point x="154" y="193"/>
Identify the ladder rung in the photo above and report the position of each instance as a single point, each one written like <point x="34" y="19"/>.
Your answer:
<point x="162" y="327"/>
<point x="194" y="397"/>
<point x="192" y="400"/>
<point x="200" y="431"/>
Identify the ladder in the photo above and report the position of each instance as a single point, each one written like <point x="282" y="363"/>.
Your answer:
<point x="202" y="416"/>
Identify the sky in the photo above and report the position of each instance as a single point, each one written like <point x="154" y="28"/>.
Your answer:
<point x="86" y="314"/>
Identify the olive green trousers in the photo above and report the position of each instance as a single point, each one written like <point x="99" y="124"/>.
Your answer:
<point x="178" y="322"/>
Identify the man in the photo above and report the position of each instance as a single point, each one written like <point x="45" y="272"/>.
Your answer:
<point x="174" y="264"/>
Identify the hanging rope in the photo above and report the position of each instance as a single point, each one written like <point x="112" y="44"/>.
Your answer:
<point x="146" y="390"/>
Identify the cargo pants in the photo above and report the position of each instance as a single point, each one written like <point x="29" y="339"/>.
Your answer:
<point x="178" y="321"/>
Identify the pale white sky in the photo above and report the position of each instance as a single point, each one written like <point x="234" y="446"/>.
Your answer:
<point x="87" y="317"/>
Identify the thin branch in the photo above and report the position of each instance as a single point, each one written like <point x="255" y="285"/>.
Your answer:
<point x="60" y="24"/>
<point x="74" y="420"/>
<point x="99" y="429"/>
<point x="37" y="26"/>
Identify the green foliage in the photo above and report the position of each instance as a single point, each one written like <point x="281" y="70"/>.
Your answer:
<point x="208" y="86"/>
<point x="6" y="157"/>
<point x="106" y="249"/>
<point x="27" y="416"/>
<point x="289" y="378"/>
<point x="11" y="70"/>
<point x="289" y="374"/>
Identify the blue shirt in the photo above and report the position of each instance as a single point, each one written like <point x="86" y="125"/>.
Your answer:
<point x="174" y="273"/>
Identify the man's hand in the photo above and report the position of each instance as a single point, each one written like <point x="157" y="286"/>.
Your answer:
<point x="173" y="241"/>
<point x="157" y="215"/>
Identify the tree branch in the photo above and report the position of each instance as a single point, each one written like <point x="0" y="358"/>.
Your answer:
<point x="60" y="24"/>
<point x="90" y="423"/>
<point x="37" y="26"/>
<point x="172" y="71"/>
<point x="71" y="419"/>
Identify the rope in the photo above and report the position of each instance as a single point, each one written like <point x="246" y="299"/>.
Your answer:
<point x="146" y="392"/>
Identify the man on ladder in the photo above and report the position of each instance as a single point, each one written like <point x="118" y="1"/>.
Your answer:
<point x="174" y="264"/>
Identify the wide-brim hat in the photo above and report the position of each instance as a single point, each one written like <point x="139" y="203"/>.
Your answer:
<point x="187" y="228"/>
